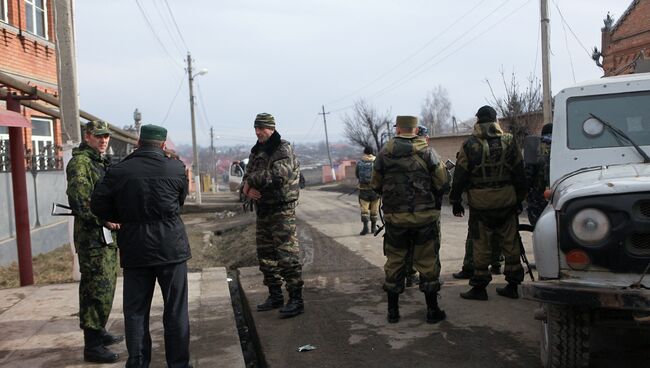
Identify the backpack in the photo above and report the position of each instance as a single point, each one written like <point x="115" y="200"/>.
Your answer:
<point x="365" y="171"/>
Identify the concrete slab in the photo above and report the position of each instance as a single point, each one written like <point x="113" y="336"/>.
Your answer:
<point x="39" y="325"/>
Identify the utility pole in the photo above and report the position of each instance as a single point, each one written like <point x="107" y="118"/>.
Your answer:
<point x="546" y="68"/>
<point x="69" y="102"/>
<point x="213" y="169"/>
<point x="327" y="142"/>
<point x="195" y="167"/>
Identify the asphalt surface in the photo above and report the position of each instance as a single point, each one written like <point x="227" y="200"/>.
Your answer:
<point x="345" y="310"/>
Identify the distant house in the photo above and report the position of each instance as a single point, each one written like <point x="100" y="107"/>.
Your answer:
<point x="625" y="45"/>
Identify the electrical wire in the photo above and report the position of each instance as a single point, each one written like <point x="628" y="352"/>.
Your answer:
<point x="313" y="124"/>
<point x="176" y="24"/>
<point x="153" y="31"/>
<point x="415" y="74"/>
<point x="408" y="58"/>
<point x="165" y="22"/>
<point x="202" y="104"/>
<point x="570" y="29"/>
<point x="173" y="100"/>
<point x="568" y="49"/>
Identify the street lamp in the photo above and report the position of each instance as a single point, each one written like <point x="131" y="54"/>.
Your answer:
<point x="137" y="117"/>
<point x="195" y="169"/>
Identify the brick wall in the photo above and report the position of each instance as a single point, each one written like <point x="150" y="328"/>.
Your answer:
<point x="625" y="42"/>
<point x="29" y="57"/>
<point x="447" y="146"/>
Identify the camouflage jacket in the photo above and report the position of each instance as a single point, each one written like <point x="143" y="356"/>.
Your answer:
<point x="273" y="169"/>
<point x="410" y="178"/>
<point x="84" y="171"/>
<point x="490" y="168"/>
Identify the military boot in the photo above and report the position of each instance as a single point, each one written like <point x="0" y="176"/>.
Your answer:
<point x="373" y="226"/>
<point x="108" y="339"/>
<point x="463" y="274"/>
<point x="294" y="306"/>
<point x="365" y="230"/>
<point x="393" y="307"/>
<point x="94" y="350"/>
<point x="475" y="293"/>
<point x="273" y="301"/>
<point x="434" y="313"/>
<point x="509" y="291"/>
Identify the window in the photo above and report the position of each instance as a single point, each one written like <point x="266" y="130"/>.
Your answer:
<point x="36" y="17"/>
<point x="43" y="151"/>
<point x="626" y="111"/>
<point x="3" y="11"/>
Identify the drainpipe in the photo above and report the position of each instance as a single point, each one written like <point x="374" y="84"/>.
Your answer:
<point x="21" y="210"/>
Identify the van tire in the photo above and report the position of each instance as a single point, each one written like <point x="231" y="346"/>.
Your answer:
<point x="565" y="337"/>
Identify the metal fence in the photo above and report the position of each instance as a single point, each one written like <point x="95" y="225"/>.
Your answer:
<point x="48" y="158"/>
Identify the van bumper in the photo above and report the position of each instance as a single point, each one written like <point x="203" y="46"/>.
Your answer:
<point x="556" y="292"/>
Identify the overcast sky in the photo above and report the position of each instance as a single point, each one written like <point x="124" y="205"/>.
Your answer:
<point x="289" y="57"/>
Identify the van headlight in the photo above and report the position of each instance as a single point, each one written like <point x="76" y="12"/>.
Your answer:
<point x="590" y="226"/>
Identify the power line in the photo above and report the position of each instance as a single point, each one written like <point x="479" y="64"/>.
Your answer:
<point x="173" y="100"/>
<point x="414" y="75"/>
<point x="313" y="124"/>
<point x="153" y="31"/>
<point x="202" y="105"/>
<point x="176" y="25"/>
<point x="410" y="56"/>
<point x="570" y="29"/>
<point x="167" y="28"/>
<point x="568" y="50"/>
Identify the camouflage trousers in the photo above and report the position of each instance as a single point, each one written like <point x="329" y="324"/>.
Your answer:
<point x="98" y="268"/>
<point x="277" y="248"/>
<point x="468" y="260"/>
<point x="418" y="246"/>
<point x="500" y="226"/>
<point x="369" y="209"/>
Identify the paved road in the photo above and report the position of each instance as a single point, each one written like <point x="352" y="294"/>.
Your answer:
<point x="345" y="306"/>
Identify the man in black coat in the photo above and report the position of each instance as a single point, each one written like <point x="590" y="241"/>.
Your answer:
<point x="144" y="193"/>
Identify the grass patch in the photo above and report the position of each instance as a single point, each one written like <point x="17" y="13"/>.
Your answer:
<point x="49" y="268"/>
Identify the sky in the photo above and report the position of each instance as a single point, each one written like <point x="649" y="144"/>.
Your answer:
<point x="291" y="57"/>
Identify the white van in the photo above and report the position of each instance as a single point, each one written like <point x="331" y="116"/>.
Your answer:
<point x="236" y="173"/>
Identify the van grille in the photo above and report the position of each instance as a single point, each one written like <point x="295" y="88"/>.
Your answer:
<point x="638" y="244"/>
<point x="644" y="208"/>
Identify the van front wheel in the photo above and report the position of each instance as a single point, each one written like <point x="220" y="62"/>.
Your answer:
<point x="565" y="337"/>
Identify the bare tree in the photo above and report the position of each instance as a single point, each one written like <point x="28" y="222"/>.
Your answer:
<point x="364" y="127"/>
<point x="436" y="111"/>
<point x="518" y="106"/>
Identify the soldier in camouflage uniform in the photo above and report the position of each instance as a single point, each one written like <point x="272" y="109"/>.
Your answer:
<point x="538" y="176"/>
<point x="368" y="199"/>
<point x="468" y="261"/>
<point x="272" y="181"/>
<point x="490" y="168"/>
<point x="410" y="177"/>
<point x="97" y="259"/>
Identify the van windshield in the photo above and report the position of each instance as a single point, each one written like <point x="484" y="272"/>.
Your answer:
<point x="628" y="112"/>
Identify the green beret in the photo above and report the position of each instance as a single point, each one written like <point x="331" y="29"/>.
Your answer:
<point x="264" y="120"/>
<point x="152" y="132"/>
<point x="408" y="122"/>
<point x="97" y="127"/>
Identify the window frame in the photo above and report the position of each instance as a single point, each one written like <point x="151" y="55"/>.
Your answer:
<point x="32" y="3"/>
<point x="4" y="12"/>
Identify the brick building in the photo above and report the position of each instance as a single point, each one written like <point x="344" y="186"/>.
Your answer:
<point x="625" y="45"/>
<point x="27" y="53"/>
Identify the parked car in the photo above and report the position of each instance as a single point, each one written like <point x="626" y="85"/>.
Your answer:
<point x="235" y="175"/>
<point x="592" y="242"/>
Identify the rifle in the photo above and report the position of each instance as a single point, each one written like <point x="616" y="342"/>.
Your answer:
<point x="381" y="217"/>
<point x="522" y="251"/>
<point x="348" y="193"/>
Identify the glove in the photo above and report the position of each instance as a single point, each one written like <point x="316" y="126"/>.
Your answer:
<point x="458" y="209"/>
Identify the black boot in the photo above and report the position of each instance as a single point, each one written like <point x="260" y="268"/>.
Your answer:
<point x="463" y="274"/>
<point x="434" y="313"/>
<point x="94" y="351"/>
<point x="364" y="231"/>
<point x="475" y="293"/>
<point x="509" y="291"/>
<point x="373" y="226"/>
<point x="393" y="307"/>
<point x="273" y="301"/>
<point x="294" y="306"/>
<point x="108" y="339"/>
